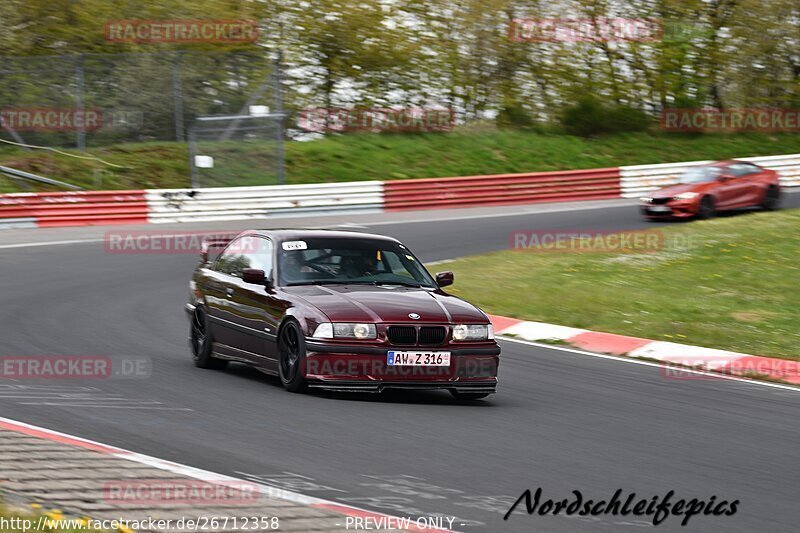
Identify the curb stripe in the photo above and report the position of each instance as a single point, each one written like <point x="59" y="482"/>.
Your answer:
<point x="196" y="473"/>
<point x="720" y="361"/>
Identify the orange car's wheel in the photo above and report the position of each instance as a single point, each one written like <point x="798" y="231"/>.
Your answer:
<point x="772" y="199"/>
<point x="707" y="208"/>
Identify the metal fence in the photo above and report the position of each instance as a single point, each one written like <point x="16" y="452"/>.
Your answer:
<point x="102" y="99"/>
<point x="237" y="150"/>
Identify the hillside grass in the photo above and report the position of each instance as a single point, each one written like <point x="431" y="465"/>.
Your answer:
<point x="366" y="156"/>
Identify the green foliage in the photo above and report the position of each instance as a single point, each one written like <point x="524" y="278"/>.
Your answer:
<point x="514" y="115"/>
<point x="591" y="117"/>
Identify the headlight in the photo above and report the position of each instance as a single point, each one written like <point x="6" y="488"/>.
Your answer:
<point x="685" y="196"/>
<point x="470" y="332"/>
<point x="646" y="200"/>
<point x="324" y="331"/>
<point x="355" y="331"/>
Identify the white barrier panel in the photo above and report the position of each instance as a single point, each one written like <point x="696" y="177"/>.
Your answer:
<point x="235" y="203"/>
<point x="640" y="179"/>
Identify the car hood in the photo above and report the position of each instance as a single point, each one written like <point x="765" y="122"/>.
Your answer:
<point x="674" y="190"/>
<point x="358" y="303"/>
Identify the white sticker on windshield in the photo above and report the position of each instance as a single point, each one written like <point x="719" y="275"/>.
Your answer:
<point x="295" y="245"/>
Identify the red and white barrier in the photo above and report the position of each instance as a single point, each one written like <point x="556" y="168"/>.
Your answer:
<point x="505" y="189"/>
<point x="28" y="210"/>
<point x="672" y="355"/>
<point x="89" y="208"/>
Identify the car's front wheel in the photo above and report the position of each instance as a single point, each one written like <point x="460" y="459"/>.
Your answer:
<point x="707" y="208"/>
<point x="202" y="343"/>
<point x="772" y="199"/>
<point x="291" y="356"/>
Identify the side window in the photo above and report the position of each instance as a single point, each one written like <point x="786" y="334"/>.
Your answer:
<point x="259" y="255"/>
<point x="740" y="169"/>
<point x="245" y="252"/>
<point x="752" y="169"/>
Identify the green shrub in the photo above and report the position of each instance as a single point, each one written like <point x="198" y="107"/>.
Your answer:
<point x="589" y="117"/>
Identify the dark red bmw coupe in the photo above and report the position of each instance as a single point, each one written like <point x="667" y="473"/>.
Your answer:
<point x="337" y="310"/>
<point x="704" y="190"/>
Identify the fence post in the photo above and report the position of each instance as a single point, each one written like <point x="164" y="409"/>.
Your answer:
<point x="192" y="154"/>
<point x="177" y="96"/>
<point x="281" y="119"/>
<point x="79" y="79"/>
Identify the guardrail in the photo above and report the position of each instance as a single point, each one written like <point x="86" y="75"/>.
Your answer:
<point x="503" y="189"/>
<point x="184" y="205"/>
<point x="640" y="179"/>
<point x="27" y="176"/>
<point x="54" y="209"/>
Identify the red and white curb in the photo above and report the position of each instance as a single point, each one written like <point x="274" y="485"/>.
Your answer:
<point x="211" y="477"/>
<point x="672" y="354"/>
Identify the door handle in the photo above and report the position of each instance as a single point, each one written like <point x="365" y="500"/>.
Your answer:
<point x="229" y="292"/>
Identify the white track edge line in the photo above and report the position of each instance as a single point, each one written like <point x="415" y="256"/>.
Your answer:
<point x="634" y="360"/>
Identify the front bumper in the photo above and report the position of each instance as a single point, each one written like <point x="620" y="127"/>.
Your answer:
<point x="364" y="368"/>
<point x="675" y="209"/>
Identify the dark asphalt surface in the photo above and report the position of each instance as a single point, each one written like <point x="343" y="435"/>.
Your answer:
<point x="561" y="421"/>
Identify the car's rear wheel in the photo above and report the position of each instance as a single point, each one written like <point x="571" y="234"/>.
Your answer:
<point x="291" y="356"/>
<point x="707" y="208"/>
<point x="772" y="199"/>
<point x="202" y="343"/>
<point x="468" y="395"/>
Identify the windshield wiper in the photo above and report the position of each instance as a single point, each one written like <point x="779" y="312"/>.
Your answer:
<point x="323" y="282"/>
<point x="401" y="283"/>
<point x="353" y="282"/>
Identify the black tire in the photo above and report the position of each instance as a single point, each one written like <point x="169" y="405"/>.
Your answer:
<point x="772" y="199"/>
<point x="469" y="395"/>
<point x="291" y="356"/>
<point x="707" y="209"/>
<point x="202" y="342"/>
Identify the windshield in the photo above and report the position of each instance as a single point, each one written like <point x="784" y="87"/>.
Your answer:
<point x="349" y="261"/>
<point x="700" y="175"/>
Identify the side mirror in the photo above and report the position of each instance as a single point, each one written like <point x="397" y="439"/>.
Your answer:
<point x="443" y="279"/>
<point x="253" y="275"/>
<point x="725" y="177"/>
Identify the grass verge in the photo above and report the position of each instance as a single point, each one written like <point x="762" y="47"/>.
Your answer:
<point x="368" y="156"/>
<point x="729" y="283"/>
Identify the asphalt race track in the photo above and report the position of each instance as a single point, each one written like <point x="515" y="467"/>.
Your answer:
<point x="561" y="421"/>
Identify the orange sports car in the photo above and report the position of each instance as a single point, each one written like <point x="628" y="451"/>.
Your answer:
<point x="704" y="190"/>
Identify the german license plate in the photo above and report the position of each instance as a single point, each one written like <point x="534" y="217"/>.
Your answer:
<point x="418" y="359"/>
<point x="659" y="209"/>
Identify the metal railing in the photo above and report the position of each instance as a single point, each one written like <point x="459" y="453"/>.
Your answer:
<point x="27" y="176"/>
